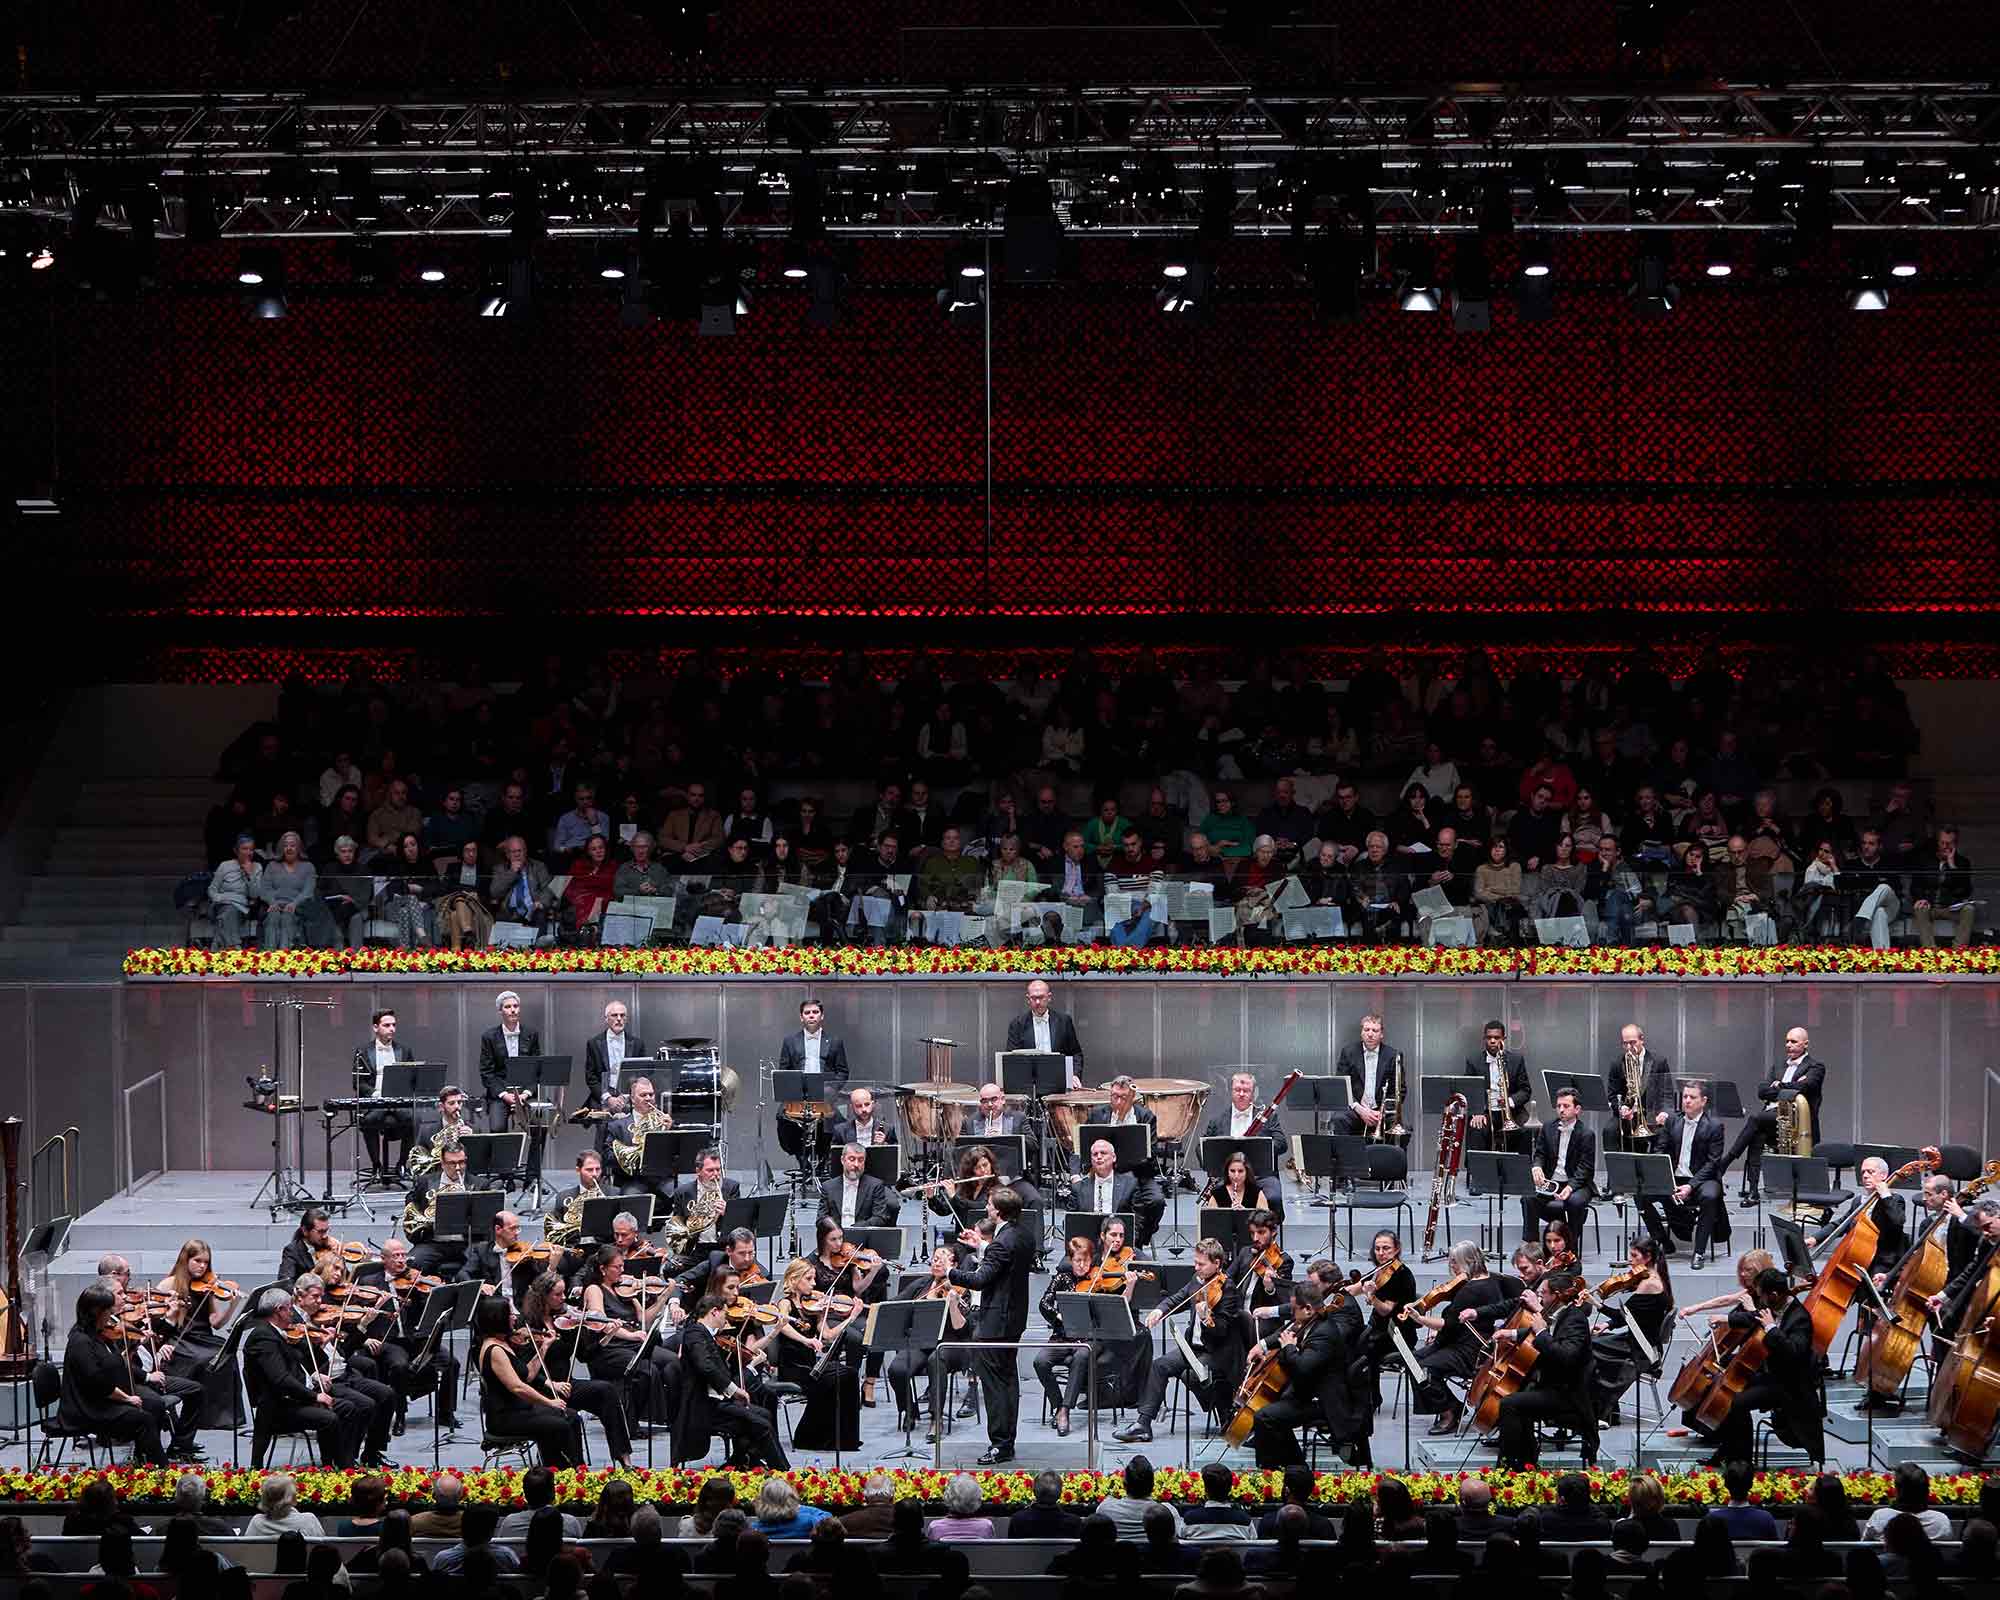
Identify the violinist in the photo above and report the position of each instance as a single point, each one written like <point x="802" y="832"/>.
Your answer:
<point x="327" y="1369"/>
<point x="957" y="1325"/>
<point x="313" y="1234"/>
<point x="150" y="1355"/>
<point x="819" y="1347"/>
<point x="1455" y="1350"/>
<point x="502" y="1258"/>
<point x="391" y="1340"/>
<point x="429" y="1253"/>
<point x="1788" y="1385"/>
<point x="1313" y="1353"/>
<point x="1068" y="1278"/>
<point x="204" y="1304"/>
<point x="1240" y="1189"/>
<point x="1564" y="1164"/>
<point x="1650" y="1306"/>
<point x="101" y="1392"/>
<point x="1890" y="1217"/>
<point x="1262" y="1275"/>
<point x="1395" y="1287"/>
<point x="1214" y="1332"/>
<point x="1693" y="1140"/>
<point x="1558" y="1387"/>
<point x="516" y="1393"/>
<point x="544" y="1311"/>
<point x="632" y="1245"/>
<point x="843" y="1270"/>
<point x="857" y="1199"/>
<point x="620" y="1346"/>
<point x="1345" y="1310"/>
<point x="1559" y="1252"/>
<point x="738" y="1255"/>
<point x="284" y="1396"/>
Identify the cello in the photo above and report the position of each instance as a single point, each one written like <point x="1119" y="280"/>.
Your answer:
<point x="1506" y="1368"/>
<point x="1265" y="1379"/>
<point x="1853" y="1259"/>
<point x="1736" y="1374"/>
<point x="1965" y="1394"/>
<point x="1893" y="1345"/>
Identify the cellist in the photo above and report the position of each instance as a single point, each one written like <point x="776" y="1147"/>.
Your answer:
<point x="1558" y="1387"/>
<point x="1892" y="1239"/>
<point x="1313" y="1355"/>
<point x="1788" y="1385"/>
<point x="1944" y="1220"/>
<point x="1950" y="1302"/>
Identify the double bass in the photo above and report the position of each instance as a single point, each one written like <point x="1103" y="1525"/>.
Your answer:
<point x="1852" y="1260"/>
<point x="1965" y="1394"/>
<point x="1505" y="1369"/>
<point x="1893" y="1344"/>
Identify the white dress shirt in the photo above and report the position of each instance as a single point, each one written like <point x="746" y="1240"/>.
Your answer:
<point x="812" y="1044"/>
<point x="385" y="1055"/>
<point x="1100" y="1193"/>
<point x="864" y="1132"/>
<point x="614" y="1059"/>
<point x="1791" y="1071"/>
<point x="993" y="1127"/>
<point x="1688" y="1131"/>
<point x="1369" y="1060"/>
<point x="1563" y="1131"/>
<point x="850" y="1198"/>
<point x="1042" y="1035"/>
<point x="511" y="1040"/>
<point x="1239" y="1121"/>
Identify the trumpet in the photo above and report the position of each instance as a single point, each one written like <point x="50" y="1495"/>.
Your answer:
<point x="1389" y="1125"/>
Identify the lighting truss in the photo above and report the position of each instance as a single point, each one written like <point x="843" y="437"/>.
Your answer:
<point x="927" y="161"/>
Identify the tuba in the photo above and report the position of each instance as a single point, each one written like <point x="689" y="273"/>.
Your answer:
<point x="1795" y="1129"/>
<point x="628" y="1156"/>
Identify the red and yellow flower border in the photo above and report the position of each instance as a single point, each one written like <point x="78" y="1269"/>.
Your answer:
<point x="853" y="961"/>
<point x="329" y="1489"/>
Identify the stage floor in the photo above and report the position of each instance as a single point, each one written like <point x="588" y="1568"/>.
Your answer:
<point x="148" y="1224"/>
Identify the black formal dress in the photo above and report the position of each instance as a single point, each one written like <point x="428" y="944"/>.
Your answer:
<point x="1397" y="1290"/>
<point x="1558" y="1390"/>
<point x="651" y="1379"/>
<point x="1455" y="1352"/>
<point x="949" y="1357"/>
<point x="831" y="1417"/>
<point x="91" y="1371"/>
<point x="558" y="1435"/>
<point x="1619" y="1359"/>
<point x="1807" y="1079"/>
<point x="1001" y="1276"/>
<point x="592" y="1396"/>
<point x="196" y="1344"/>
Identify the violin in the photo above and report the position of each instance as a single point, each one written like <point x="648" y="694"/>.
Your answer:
<point x="815" y="1304"/>
<point x="411" y="1281"/>
<point x="222" y="1289"/>
<point x="353" y="1252"/>
<point x="1110" y="1274"/>
<point x="1618" y="1283"/>
<point x="1269" y="1259"/>
<point x="756" y="1274"/>
<point x="641" y="1289"/>
<point x="359" y="1291"/>
<point x="743" y="1309"/>
<point x="1444" y="1291"/>
<point x="521" y="1251"/>
<point x="852" y="1255"/>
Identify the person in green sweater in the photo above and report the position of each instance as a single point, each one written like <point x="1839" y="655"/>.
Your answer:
<point x="951" y="879"/>
<point x="1105" y="833"/>
<point x="1229" y="835"/>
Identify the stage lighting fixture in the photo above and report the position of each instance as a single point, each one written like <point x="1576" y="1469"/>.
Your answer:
<point x="368" y="260"/>
<point x="431" y="272"/>
<point x="970" y="262"/>
<point x="797" y="266"/>
<point x="1777" y="256"/>
<point x="1471" y="288"/>
<point x="1411" y="266"/>
<point x="1719" y="260"/>
<point x="1189" y="294"/>
<point x="963" y="300"/>
<point x="1334" y="268"/>
<point x="1902" y="257"/>
<point x="509" y="289"/>
<point x="261" y="271"/>
<point x="1538" y="256"/>
<point x="1652" y="291"/>
<point x="614" y="259"/>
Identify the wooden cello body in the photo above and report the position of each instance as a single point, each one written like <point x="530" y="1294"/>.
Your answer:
<point x="1504" y="1371"/>
<point x="1965" y="1395"/>
<point x="1710" y="1360"/>
<point x="1851" y="1261"/>
<point x="1893" y="1346"/>
<point x="1265" y="1380"/>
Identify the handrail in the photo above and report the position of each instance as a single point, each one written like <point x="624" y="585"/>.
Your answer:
<point x="68" y="1139"/>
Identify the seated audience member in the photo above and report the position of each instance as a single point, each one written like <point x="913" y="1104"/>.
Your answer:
<point x="278" y="1511"/>
<point x="538" y="1492"/>
<point x="408" y="886"/>
<point x="875" y="1516"/>
<point x="440" y="1519"/>
<point x="475" y="1535"/>
<point x="1618" y="892"/>
<point x="285" y="888"/>
<point x="1098" y="1554"/>
<point x="1496" y="887"/>
<point x="1738" y="1517"/>
<point x="1380" y="891"/>
<point x="1126" y="1510"/>
<point x="1047" y="1518"/>
<point x="1297" y="1490"/>
<point x="1162" y="1550"/>
<point x="1229" y="834"/>
<point x="519" y="891"/>
<point x="1912" y="1497"/>
<point x="590" y="886"/>
<point x="779" y="1515"/>
<point x="393" y="818"/>
<point x="1218" y="1517"/>
<point x="692" y="833"/>
<point x="962" y="1519"/>
<point x="1573" y="1517"/>
<point x="231" y="890"/>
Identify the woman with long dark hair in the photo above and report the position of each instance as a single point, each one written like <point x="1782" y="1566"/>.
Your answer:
<point x="1620" y="1357"/>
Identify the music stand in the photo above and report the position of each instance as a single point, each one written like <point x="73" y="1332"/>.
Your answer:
<point x="467" y="1216"/>
<point x="446" y="1311"/>
<point x="414" y="1080"/>
<point x="1633" y="1179"/>
<point x="913" y="1328"/>
<point x="670" y="1153"/>
<point x="1031" y="1074"/>
<point x="1798" y="1175"/>
<point x="762" y="1214"/>
<point x="1226" y="1225"/>
<point x="1724" y="1098"/>
<point x="1133" y="1143"/>
<point x="788" y="1086"/>
<point x="544" y="1078"/>
<point x="1010" y="1153"/>
<point x="1096" y="1319"/>
<point x="1324" y="1095"/>
<point x="1591" y="1094"/>
<point x="883" y="1161"/>
<point x="1259" y="1148"/>
<point x="594" y="1223"/>
<point x="885" y="1242"/>
<point x="1497" y="1174"/>
<point x="493" y="1155"/>
<point x="1090" y="1225"/>
<point x="1792" y="1251"/>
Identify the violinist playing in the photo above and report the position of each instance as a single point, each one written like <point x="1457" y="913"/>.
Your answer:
<point x="387" y="1346"/>
<point x="324" y="1328"/>
<point x="1455" y="1350"/>
<point x="848" y="1272"/>
<point x="289" y="1396"/>
<point x="1068" y="1360"/>
<point x="1395" y="1286"/>
<point x="103" y="1392"/>
<point x="517" y="1395"/>
<point x="819" y="1343"/>
<point x="203" y="1306"/>
<point x="1650" y="1304"/>
<point x="1214" y="1332"/>
<point x="1788" y="1385"/>
<point x="543" y="1310"/>
<point x="957" y="1324"/>
<point x="1314" y="1355"/>
<point x="150" y="1354"/>
<point x="1121" y="1368"/>
<point x="1558" y="1388"/>
<point x="1559" y="1252"/>
<point x="503" y="1258"/>
<point x="737" y="1254"/>
<point x="1262" y="1275"/>
<point x="619" y="1315"/>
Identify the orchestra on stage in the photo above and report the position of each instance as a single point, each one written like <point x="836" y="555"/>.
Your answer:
<point x="655" y="1301"/>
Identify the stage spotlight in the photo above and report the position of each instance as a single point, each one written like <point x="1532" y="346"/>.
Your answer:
<point x="1538" y="256"/>
<point x="1415" y="275"/>
<point x="1187" y="295"/>
<point x="963" y="299"/>
<point x="509" y="290"/>
<point x="1719" y="261"/>
<point x="1652" y="291"/>
<point x="431" y="272"/>
<point x="797" y="267"/>
<point x="1471" y="288"/>
<point x="261" y="271"/>
<point x="1902" y="257"/>
<point x="614" y="260"/>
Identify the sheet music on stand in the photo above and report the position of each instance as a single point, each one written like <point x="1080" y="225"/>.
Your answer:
<point x="1190" y="900"/>
<point x="1431" y="901"/>
<point x="626" y="924"/>
<point x="1118" y="905"/>
<point x="714" y="931"/>
<point x="1314" y="922"/>
<point x="1221" y="923"/>
<point x="1570" y="932"/>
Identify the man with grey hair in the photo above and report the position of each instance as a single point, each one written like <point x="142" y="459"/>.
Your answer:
<point x="1149" y="1204"/>
<point x="1950" y="1302"/>
<point x="875" y="1517"/>
<point x="1888" y="1214"/>
<point x="604" y="1056"/>
<point x="191" y="1500"/>
<point x="498" y="1045"/>
<point x="282" y="1397"/>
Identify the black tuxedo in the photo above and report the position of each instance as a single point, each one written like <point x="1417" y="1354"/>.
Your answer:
<point x="384" y="1122"/>
<point x="1520" y="1095"/>
<point x="876" y="1205"/>
<point x="1001" y="1276"/>
<point x="1221" y="1346"/>
<point x="1579" y="1172"/>
<point x="1124" y="1192"/>
<point x="1656" y="1092"/>
<point x="1326" y="1383"/>
<point x="493" y="1070"/>
<point x="281" y="1400"/>
<point x="1760" y="1129"/>
<point x="1703" y="1218"/>
<point x="596" y="1080"/>
<point x="1391" y="1082"/>
<point x="1788" y="1387"/>
<point x="680" y="1200"/>
<point x="1063" y="1040"/>
<point x="1892" y="1236"/>
<point x="1149" y="1201"/>
<point x="1557" y="1390"/>
<point x="296" y="1260"/>
<point x="843" y="1129"/>
<point x="709" y="1373"/>
<point x="1011" y="1125"/>
<point x="1218" y="1125"/>
<point x="832" y="1060"/>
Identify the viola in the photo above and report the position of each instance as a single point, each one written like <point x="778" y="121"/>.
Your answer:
<point x="1269" y="1259"/>
<point x="1444" y="1291"/>
<point x="222" y="1289"/>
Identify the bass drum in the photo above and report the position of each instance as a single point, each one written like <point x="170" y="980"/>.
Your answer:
<point x="700" y="1077"/>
